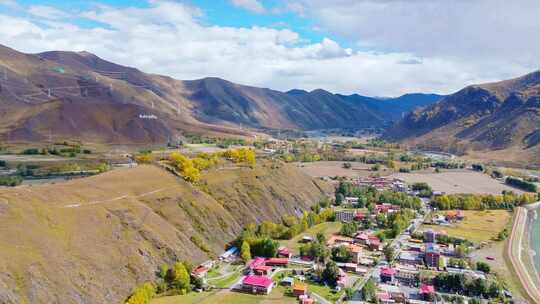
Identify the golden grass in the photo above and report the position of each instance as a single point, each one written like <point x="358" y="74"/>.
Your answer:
<point x="228" y="297"/>
<point x="478" y="226"/>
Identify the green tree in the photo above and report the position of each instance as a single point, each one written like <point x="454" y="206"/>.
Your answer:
<point x="369" y="291"/>
<point x="342" y="254"/>
<point x="388" y="252"/>
<point x="484" y="267"/>
<point x="245" y="252"/>
<point x="330" y="273"/>
<point x="179" y="277"/>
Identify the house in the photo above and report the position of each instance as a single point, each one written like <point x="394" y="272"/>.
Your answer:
<point x="277" y="262"/>
<point x="386" y="208"/>
<point x="257" y="284"/>
<point x="407" y="275"/>
<point x="287" y="281"/>
<point x="360" y="216"/>
<point x="258" y="261"/>
<point x="374" y="243"/>
<point x="351" y="200"/>
<point x="454" y="216"/>
<point x="430" y="236"/>
<point x="427" y="292"/>
<point x="385" y="298"/>
<point x="344" y="215"/>
<point x="262" y="270"/>
<point x="361" y="238"/>
<point x="411" y="258"/>
<point x="367" y="262"/>
<point x="387" y="274"/>
<point x="299" y="289"/>
<point x="283" y="252"/>
<point x="200" y="271"/>
<point x="356" y="253"/>
<point x="341" y="279"/>
<point x="350" y="267"/>
<point x="229" y="254"/>
<point x="307" y="239"/>
<point x="307" y="301"/>
<point x="432" y="255"/>
<point x="339" y="240"/>
<point x="395" y="292"/>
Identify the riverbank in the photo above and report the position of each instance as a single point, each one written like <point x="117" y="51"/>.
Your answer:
<point x="520" y="256"/>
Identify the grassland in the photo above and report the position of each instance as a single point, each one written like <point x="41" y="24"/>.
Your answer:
<point x="327" y="228"/>
<point x="324" y="291"/>
<point x="228" y="297"/>
<point x="110" y="232"/>
<point x="478" y="226"/>
<point x="455" y="181"/>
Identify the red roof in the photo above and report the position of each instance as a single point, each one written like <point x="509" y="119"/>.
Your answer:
<point x="308" y="301"/>
<point x="200" y="270"/>
<point x="262" y="268"/>
<point x="283" y="251"/>
<point x="425" y="288"/>
<point x="256" y="262"/>
<point x="257" y="281"/>
<point x="388" y="271"/>
<point x="277" y="261"/>
<point x="359" y="216"/>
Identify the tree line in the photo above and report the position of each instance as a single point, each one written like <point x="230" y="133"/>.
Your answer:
<point x="507" y="200"/>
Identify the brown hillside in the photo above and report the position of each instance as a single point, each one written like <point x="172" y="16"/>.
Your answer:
<point x="501" y="120"/>
<point x="92" y="240"/>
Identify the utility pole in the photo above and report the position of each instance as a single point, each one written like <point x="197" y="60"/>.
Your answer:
<point x="5" y="74"/>
<point x="49" y="92"/>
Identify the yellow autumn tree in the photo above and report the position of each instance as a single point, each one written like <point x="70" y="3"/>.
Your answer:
<point x="185" y="167"/>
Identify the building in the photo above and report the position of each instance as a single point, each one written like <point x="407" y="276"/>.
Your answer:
<point x="411" y="258"/>
<point x="256" y="262"/>
<point x="283" y="252"/>
<point x="288" y="281"/>
<point x="277" y="262"/>
<point x="229" y="254"/>
<point x="430" y="236"/>
<point x="427" y="292"/>
<point x="200" y="271"/>
<point x="339" y="240"/>
<point x="361" y="238"/>
<point x="374" y="243"/>
<point x="386" y="208"/>
<point x="360" y="216"/>
<point x="351" y="200"/>
<point x="356" y="253"/>
<point x="432" y="255"/>
<point x="299" y="289"/>
<point x="387" y="274"/>
<point x="345" y="215"/>
<point x="407" y="275"/>
<point x="307" y="239"/>
<point x="262" y="270"/>
<point x="257" y="284"/>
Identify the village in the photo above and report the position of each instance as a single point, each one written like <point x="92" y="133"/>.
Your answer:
<point x="361" y="261"/>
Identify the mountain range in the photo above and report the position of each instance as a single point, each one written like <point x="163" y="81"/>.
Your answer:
<point x="77" y="95"/>
<point x="499" y="121"/>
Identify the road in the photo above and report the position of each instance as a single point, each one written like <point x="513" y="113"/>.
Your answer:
<point x="515" y="251"/>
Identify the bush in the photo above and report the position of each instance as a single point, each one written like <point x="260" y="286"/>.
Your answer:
<point x="143" y="294"/>
<point x="347" y="165"/>
<point x="521" y="184"/>
<point x="10" y="181"/>
<point x="484" y="267"/>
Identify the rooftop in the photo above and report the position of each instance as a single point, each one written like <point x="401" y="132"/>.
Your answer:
<point x="261" y="281"/>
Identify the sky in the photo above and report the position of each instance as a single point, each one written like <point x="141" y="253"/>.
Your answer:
<point x="370" y="47"/>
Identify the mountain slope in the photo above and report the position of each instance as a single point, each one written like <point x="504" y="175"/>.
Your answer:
<point x="68" y="95"/>
<point x="93" y="240"/>
<point x="502" y="118"/>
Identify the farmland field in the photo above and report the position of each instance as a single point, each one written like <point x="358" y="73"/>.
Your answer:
<point x="228" y="297"/>
<point x="478" y="226"/>
<point x="461" y="181"/>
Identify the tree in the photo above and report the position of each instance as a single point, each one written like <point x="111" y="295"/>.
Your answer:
<point x="369" y="291"/>
<point x="321" y="238"/>
<point x="245" y="252"/>
<point x="331" y="273"/>
<point x="484" y="267"/>
<point x="342" y="254"/>
<point x="162" y="272"/>
<point x="348" y="229"/>
<point x="388" y="252"/>
<point x="349" y="293"/>
<point x="339" y="199"/>
<point x="179" y="277"/>
<point x="143" y="294"/>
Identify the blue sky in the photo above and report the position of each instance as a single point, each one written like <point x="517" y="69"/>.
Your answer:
<point x="371" y="47"/>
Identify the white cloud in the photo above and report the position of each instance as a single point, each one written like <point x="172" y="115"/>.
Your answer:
<point x="171" y="38"/>
<point x="250" y="5"/>
<point x="47" y="12"/>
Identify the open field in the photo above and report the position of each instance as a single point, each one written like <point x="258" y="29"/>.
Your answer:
<point x="461" y="181"/>
<point x="327" y="228"/>
<point x="478" y="226"/>
<point x="335" y="168"/>
<point x="228" y="297"/>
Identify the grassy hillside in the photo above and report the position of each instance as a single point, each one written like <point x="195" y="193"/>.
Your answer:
<point x="92" y="240"/>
